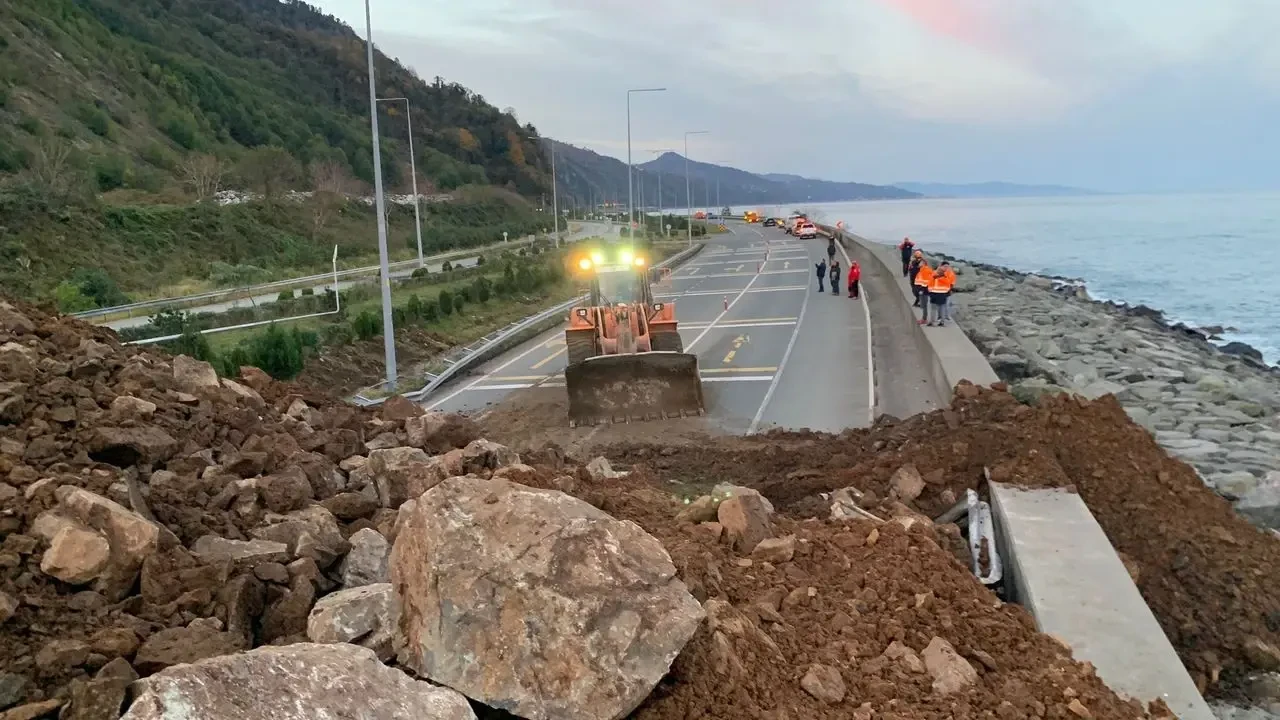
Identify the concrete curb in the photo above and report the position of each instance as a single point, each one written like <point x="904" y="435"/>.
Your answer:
<point x="1061" y="567"/>
<point x="951" y="355"/>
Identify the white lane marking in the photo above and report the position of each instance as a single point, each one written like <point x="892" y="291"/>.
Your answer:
<point x="782" y="366"/>
<point x="754" y="278"/>
<point x="740" y="274"/>
<point x="692" y="293"/>
<point x="539" y="346"/>
<point x="871" y="362"/>
<point x="701" y="325"/>
<point x="560" y="383"/>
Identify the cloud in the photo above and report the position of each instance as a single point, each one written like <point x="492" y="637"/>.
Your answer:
<point x="1140" y="94"/>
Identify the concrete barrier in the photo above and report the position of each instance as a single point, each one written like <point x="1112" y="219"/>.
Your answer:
<point x="1059" y="565"/>
<point x="951" y="356"/>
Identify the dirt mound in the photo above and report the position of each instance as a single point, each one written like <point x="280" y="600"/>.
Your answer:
<point x="856" y="597"/>
<point x="340" y="370"/>
<point x="121" y="468"/>
<point x="1209" y="576"/>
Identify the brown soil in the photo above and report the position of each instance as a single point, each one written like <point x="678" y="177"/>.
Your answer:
<point x="852" y="589"/>
<point x="341" y="370"/>
<point x="851" y="597"/>
<point x="539" y="416"/>
<point x="1209" y="576"/>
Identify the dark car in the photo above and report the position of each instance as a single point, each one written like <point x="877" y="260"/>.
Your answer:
<point x="771" y="222"/>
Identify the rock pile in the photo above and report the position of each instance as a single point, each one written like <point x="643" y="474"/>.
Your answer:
<point x="153" y="515"/>
<point x="1208" y="575"/>
<point x="1218" y="408"/>
<point x="237" y="549"/>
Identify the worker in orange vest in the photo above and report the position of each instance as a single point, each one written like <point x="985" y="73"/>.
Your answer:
<point x="917" y="260"/>
<point x="924" y="276"/>
<point x="944" y="279"/>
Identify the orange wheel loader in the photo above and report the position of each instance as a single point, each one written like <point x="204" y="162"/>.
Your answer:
<point x="626" y="360"/>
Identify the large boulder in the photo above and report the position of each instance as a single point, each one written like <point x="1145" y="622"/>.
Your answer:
<point x="480" y="455"/>
<point x="298" y="682"/>
<point x="366" y="563"/>
<point x="364" y="615"/>
<point x="131" y="538"/>
<point x="124" y="447"/>
<point x="498" y="582"/>
<point x="402" y="473"/>
<point x="312" y="532"/>
<point x="177" y="646"/>
<point x="192" y="375"/>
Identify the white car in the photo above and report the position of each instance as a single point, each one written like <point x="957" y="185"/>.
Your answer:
<point x="806" y="231"/>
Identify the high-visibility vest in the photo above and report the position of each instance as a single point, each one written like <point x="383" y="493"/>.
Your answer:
<point x="941" y="282"/>
<point x="924" y="276"/>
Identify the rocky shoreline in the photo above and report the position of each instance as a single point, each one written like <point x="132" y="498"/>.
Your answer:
<point x="1216" y="407"/>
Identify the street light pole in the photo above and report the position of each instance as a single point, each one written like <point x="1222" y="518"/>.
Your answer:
<point x="688" y="191"/>
<point x="630" y="199"/>
<point x="413" y="170"/>
<point x="388" y="328"/>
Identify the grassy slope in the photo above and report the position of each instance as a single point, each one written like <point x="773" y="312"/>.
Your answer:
<point x="152" y="250"/>
<point x="127" y="92"/>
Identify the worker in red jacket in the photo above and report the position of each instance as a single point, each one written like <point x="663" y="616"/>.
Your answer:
<point x="855" y="274"/>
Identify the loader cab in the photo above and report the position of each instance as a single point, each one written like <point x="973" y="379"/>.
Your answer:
<point x="617" y="275"/>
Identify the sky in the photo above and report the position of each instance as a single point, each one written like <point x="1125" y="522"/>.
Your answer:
<point x="1113" y="95"/>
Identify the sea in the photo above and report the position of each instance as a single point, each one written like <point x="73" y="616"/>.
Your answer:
<point x="1202" y="259"/>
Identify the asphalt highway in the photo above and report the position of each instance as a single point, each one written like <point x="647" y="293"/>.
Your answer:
<point x="772" y="350"/>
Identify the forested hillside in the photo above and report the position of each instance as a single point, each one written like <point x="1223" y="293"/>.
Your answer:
<point x="119" y="117"/>
<point x="144" y="82"/>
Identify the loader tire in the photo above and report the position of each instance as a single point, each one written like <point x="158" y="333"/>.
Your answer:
<point x="667" y="341"/>
<point x="579" y="346"/>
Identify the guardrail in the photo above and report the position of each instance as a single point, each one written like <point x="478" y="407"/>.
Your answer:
<point x="495" y="342"/>
<point x="279" y="285"/>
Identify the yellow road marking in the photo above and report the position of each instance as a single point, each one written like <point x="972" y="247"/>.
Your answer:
<point x="547" y="359"/>
<point x="737" y="343"/>
<point x="739" y="370"/>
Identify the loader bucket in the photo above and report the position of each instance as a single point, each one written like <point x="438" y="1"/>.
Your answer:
<point x="640" y="386"/>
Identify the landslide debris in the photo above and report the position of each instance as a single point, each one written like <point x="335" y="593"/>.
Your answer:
<point x="1209" y="576"/>
<point x="201" y="533"/>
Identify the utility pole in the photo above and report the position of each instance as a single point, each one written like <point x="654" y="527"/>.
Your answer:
<point x="413" y="170"/>
<point x="661" y="218"/>
<point x="555" y="197"/>
<point x="388" y="328"/>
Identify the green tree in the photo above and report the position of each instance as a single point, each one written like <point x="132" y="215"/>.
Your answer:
<point x="414" y="308"/>
<point x="277" y="352"/>
<point x="269" y="170"/>
<point x="111" y="172"/>
<point x="480" y="289"/>
<point x="69" y="298"/>
<point x="367" y="325"/>
<point x="445" y="300"/>
<point x="98" y="285"/>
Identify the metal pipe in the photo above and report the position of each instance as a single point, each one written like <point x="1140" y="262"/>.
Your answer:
<point x="413" y="170"/>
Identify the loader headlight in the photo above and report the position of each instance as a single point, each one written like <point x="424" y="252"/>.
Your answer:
<point x="597" y="258"/>
<point x="625" y="256"/>
<point x="582" y="312"/>
<point x="639" y="262"/>
<point x="584" y="263"/>
<point x="657" y="306"/>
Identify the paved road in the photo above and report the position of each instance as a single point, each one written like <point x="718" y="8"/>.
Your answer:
<point x="780" y="355"/>
<point x="588" y="229"/>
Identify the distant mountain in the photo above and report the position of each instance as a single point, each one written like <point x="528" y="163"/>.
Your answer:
<point x="739" y="187"/>
<point x="587" y="177"/>
<point x="991" y="190"/>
